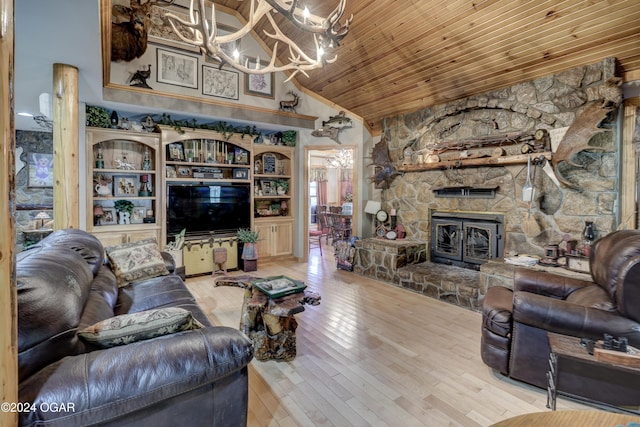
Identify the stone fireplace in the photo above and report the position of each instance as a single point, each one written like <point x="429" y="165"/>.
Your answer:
<point x="466" y="239"/>
<point x="556" y="211"/>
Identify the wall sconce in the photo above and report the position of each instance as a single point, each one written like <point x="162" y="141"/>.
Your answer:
<point x="42" y="216"/>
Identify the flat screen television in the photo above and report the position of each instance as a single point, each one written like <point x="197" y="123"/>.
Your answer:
<point x="204" y="209"/>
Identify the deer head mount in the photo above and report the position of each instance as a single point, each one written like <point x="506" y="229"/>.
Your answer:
<point x="326" y="32"/>
<point x="129" y="38"/>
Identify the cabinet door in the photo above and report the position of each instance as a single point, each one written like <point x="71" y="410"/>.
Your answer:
<point x="264" y="242"/>
<point x="283" y="239"/>
<point x="110" y="239"/>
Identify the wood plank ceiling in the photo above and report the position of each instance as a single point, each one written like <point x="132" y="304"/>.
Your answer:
<point x="402" y="56"/>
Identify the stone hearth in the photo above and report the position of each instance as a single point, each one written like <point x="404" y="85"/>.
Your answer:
<point x="402" y="263"/>
<point x="455" y="285"/>
<point x="382" y="259"/>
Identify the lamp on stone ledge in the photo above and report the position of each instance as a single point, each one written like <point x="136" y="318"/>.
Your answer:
<point x="42" y="216"/>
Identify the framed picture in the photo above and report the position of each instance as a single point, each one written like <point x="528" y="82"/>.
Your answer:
<point x="269" y="162"/>
<point x="40" y="170"/>
<point x="240" y="173"/>
<point x="183" y="172"/>
<point x="171" y="172"/>
<point x="139" y="212"/>
<point x="161" y="32"/>
<point x="259" y="84"/>
<point x="177" y="69"/>
<point x="175" y="152"/>
<point x="241" y="156"/>
<point x="268" y="188"/>
<point x="125" y="186"/>
<point x="108" y="217"/>
<point x="220" y="83"/>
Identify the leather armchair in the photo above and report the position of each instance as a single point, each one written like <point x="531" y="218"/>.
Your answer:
<point x="544" y="302"/>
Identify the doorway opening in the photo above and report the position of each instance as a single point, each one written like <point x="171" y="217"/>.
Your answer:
<point x="331" y="186"/>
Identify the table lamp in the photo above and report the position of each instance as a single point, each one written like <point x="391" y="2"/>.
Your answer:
<point x="42" y="216"/>
<point x="98" y="212"/>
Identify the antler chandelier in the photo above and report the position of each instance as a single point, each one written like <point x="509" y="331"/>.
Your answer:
<point x="327" y="33"/>
<point x="341" y="160"/>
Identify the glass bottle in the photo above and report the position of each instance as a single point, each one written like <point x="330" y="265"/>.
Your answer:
<point x="146" y="161"/>
<point x="588" y="236"/>
<point x="99" y="159"/>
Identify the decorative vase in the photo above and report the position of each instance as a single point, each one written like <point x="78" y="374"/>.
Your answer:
<point x="249" y="251"/>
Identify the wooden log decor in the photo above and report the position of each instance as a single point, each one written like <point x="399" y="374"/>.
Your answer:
<point x="269" y="322"/>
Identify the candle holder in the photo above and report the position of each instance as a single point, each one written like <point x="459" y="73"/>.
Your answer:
<point x="144" y="186"/>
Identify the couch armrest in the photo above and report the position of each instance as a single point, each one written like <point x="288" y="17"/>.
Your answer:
<point x="105" y="384"/>
<point x="565" y="318"/>
<point x="169" y="262"/>
<point x="547" y="284"/>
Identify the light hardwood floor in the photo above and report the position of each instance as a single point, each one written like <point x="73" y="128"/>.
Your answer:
<point x="372" y="354"/>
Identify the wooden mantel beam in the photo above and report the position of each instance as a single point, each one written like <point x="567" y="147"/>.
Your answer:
<point x="483" y="161"/>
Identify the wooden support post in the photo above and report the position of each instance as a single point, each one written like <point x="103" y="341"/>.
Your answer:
<point x="8" y="295"/>
<point x="66" y="180"/>
<point x="629" y="169"/>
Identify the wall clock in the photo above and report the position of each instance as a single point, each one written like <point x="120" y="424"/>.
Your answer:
<point x="382" y="215"/>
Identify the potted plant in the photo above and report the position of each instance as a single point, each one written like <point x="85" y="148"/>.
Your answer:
<point x="98" y="117"/>
<point x="124" y="207"/>
<point x="282" y="187"/>
<point x="249" y="239"/>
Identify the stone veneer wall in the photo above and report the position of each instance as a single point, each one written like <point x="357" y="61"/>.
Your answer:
<point x="30" y="200"/>
<point x="548" y="103"/>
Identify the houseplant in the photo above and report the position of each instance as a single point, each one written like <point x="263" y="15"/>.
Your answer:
<point x="249" y="239"/>
<point x="124" y="207"/>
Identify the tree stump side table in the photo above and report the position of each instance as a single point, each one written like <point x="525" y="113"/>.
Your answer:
<point x="269" y="322"/>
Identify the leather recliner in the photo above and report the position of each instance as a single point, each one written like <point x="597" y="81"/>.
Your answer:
<point x="516" y="323"/>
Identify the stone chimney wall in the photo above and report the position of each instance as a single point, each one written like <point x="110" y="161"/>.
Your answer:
<point x="548" y="103"/>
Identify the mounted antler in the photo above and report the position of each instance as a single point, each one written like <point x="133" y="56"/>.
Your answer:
<point x="326" y="33"/>
<point x="330" y="32"/>
<point x="129" y="38"/>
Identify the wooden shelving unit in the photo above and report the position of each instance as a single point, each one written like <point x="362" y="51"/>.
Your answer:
<point x="129" y="161"/>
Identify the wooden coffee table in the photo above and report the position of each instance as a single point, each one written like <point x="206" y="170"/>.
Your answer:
<point x="269" y="322"/>
<point x="577" y="374"/>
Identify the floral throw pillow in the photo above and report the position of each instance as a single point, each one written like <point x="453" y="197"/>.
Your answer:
<point x="136" y="261"/>
<point x="128" y="328"/>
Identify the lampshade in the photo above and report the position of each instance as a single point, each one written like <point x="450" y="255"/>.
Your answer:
<point x="43" y="215"/>
<point x="98" y="211"/>
<point x="372" y="207"/>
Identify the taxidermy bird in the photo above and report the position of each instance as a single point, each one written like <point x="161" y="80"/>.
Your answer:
<point x="139" y="78"/>
<point x="129" y="38"/>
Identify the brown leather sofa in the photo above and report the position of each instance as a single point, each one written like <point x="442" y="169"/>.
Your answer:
<point x="195" y="377"/>
<point x="516" y="323"/>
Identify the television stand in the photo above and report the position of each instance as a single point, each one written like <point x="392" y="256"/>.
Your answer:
<point x="198" y="254"/>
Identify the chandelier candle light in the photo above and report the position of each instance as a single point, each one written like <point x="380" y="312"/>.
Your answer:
<point x="327" y="33"/>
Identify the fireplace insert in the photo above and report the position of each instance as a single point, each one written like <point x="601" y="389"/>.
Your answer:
<point x="466" y="239"/>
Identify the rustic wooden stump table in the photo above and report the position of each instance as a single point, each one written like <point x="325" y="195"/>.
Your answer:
<point x="269" y="322"/>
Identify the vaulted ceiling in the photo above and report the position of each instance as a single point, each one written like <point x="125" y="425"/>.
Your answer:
<point x="402" y="56"/>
